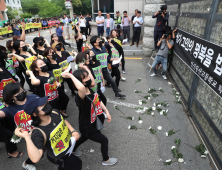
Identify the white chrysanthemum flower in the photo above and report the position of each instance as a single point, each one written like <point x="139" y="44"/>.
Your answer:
<point x="160" y="88"/>
<point x="148" y="98"/>
<point x="150" y="127"/>
<point x="161" y="112"/>
<point x="169" y="83"/>
<point x="135" y="91"/>
<point x="166" y="110"/>
<point x="173" y="147"/>
<point x="166" y="133"/>
<point x="206" y="152"/>
<point x="169" y="160"/>
<point x="145" y="108"/>
<point x="154" y="104"/>
<point x="153" y="108"/>
<point x="140" y="102"/>
<point x="203" y="156"/>
<point x="12" y="140"/>
<point x="167" y="105"/>
<point x="133" y="118"/>
<point x="114" y="106"/>
<point x="159" y="105"/>
<point x="181" y="160"/>
<point x="177" y="93"/>
<point x="159" y="127"/>
<point x="140" y="121"/>
<point x="152" y="113"/>
<point x="129" y="127"/>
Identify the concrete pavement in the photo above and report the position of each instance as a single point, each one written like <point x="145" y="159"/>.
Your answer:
<point x="136" y="150"/>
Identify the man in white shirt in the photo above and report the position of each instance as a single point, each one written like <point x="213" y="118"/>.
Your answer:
<point x="66" y="26"/>
<point x="108" y="24"/>
<point x="100" y="23"/>
<point x="137" y="22"/>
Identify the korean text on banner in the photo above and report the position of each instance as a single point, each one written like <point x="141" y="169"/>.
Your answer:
<point x="57" y="73"/>
<point x="102" y="59"/>
<point x="28" y="62"/>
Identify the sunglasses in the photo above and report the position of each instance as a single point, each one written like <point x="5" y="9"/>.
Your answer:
<point x="54" y="35"/>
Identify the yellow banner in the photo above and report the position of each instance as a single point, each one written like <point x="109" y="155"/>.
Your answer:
<point x="64" y="64"/>
<point x="8" y="30"/>
<point x="28" y="62"/>
<point x="57" y="74"/>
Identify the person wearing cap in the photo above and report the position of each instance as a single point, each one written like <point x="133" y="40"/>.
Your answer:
<point x="40" y="44"/>
<point x="100" y="50"/>
<point x="126" y="26"/>
<point x="161" y="21"/>
<point x="92" y="112"/>
<point x="137" y="22"/>
<point x="88" y="26"/>
<point x="75" y="21"/>
<point x="53" y="133"/>
<point x="136" y="10"/>
<point x="15" y="97"/>
<point x="61" y="57"/>
<point x="117" y="19"/>
<point x="100" y="23"/>
<point x="108" y="24"/>
<point x="61" y="35"/>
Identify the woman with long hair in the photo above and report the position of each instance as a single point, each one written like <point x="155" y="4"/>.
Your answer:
<point x="40" y="44"/>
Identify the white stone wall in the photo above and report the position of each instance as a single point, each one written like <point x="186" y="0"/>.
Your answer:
<point x="150" y="7"/>
<point x="14" y="4"/>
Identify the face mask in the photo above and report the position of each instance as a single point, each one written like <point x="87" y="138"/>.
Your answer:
<point x="24" y="48"/>
<point x="44" y="68"/>
<point x="100" y="43"/>
<point x="58" y="48"/>
<point x="41" y="43"/>
<point x="21" y="96"/>
<point x="88" y="83"/>
<point x="47" y="109"/>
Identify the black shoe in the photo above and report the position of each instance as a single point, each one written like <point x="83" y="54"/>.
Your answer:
<point x="121" y="96"/>
<point x="118" y="90"/>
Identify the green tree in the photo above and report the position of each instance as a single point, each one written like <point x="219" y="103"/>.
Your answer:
<point x="26" y="15"/>
<point x="48" y="8"/>
<point x="12" y="13"/>
<point x="30" y="6"/>
<point x="84" y="6"/>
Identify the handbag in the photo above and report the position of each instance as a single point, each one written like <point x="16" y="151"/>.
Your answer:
<point x="99" y="124"/>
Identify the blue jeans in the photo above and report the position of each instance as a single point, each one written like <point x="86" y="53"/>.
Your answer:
<point x="100" y="30"/>
<point x="107" y="31"/>
<point x="163" y="61"/>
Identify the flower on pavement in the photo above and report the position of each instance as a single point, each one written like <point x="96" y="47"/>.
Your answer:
<point x="140" y="102"/>
<point x="153" y="108"/>
<point x="152" y="113"/>
<point x="159" y="127"/>
<point x="181" y="160"/>
<point x="140" y="121"/>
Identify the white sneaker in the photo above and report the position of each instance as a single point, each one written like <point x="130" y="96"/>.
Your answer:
<point x="164" y="77"/>
<point x="124" y="72"/>
<point x="112" y="161"/>
<point x="123" y="79"/>
<point x="28" y="166"/>
<point x="154" y="74"/>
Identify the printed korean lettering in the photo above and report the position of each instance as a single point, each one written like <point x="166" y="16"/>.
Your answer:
<point x="206" y="76"/>
<point x="220" y="88"/>
<point x="3" y="83"/>
<point x="199" y="71"/>
<point x="23" y="118"/>
<point x="179" y="38"/>
<point x="187" y="44"/>
<point x="218" y="69"/>
<point x="197" y="50"/>
<point x="202" y="53"/>
<point x="51" y="91"/>
<point x="209" y="57"/>
<point x="210" y="79"/>
<point x="214" y="83"/>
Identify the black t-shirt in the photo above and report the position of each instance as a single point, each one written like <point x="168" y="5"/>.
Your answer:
<point x="53" y="66"/>
<point x="64" y="54"/>
<point x="46" y="89"/>
<point x="79" y="45"/>
<point x="117" y="42"/>
<point x="87" y="118"/>
<point x="40" y="52"/>
<point x="53" y="131"/>
<point x="21" y="64"/>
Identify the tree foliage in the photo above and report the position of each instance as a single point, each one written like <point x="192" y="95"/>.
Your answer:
<point x="48" y="8"/>
<point x="30" y="6"/>
<point x="26" y="15"/>
<point x="12" y="13"/>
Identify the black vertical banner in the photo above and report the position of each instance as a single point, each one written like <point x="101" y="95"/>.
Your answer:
<point x="203" y="57"/>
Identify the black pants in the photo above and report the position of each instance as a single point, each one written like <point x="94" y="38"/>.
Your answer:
<point x="21" y="77"/>
<point x="101" y="95"/>
<point x="110" y="80"/>
<point x="123" y="59"/>
<point x="63" y="98"/>
<point x="6" y="135"/>
<point x="71" y="162"/>
<point x="88" y="30"/>
<point x="157" y="36"/>
<point x="61" y="39"/>
<point x="136" y="35"/>
<point x="116" y="73"/>
<point x="96" y="137"/>
<point x="100" y="30"/>
<point x="83" y="30"/>
<point x="70" y="84"/>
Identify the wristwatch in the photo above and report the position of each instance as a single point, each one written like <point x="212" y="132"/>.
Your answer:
<point x="73" y="131"/>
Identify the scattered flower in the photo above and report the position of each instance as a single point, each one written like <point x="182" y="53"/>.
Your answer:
<point x="166" y="133"/>
<point x="203" y="156"/>
<point x="150" y="127"/>
<point x="161" y="112"/>
<point x="153" y="132"/>
<point x="169" y="83"/>
<point x="137" y="91"/>
<point x="168" y="162"/>
<point x="153" y="108"/>
<point x="138" y="80"/>
<point x="132" y="127"/>
<point x="206" y="152"/>
<point x="117" y="108"/>
<point x="151" y="90"/>
<point x="140" y="121"/>
<point x="152" y="113"/>
<point x="181" y="160"/>
<point x="146" y="97"/>
<point x="129" y="127"/>
<point x="159" y="105"/>
<point x="154" y="104"/>
<point x="173" y="147"/>
<point x="159" y="127"/>
<point x="171" y="132"/>
<point x="140" y="102"/>
<point x="160" y="89"/>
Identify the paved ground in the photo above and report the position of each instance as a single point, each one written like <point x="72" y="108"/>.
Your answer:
<point x="136" y="150"/>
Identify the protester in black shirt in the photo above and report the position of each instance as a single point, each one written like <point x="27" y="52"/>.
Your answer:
<point x="79" y="40"/>
<point x="90" y="113"/>
<point x="88" y="26"/>
<point x="40" y="44"/>
<point x="48" y="123"/>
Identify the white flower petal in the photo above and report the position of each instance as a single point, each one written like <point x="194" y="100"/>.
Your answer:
<point x="129" y="127"/>
<point x="161" y="112"/>
<point x="152" y="113"/>
<point x="153" y="108"/>
<point x="206" y="152"/>
<point x="154" y="104"/>
<point x="159" y="127"/>
<point x="160" y="88"/>
<point x="203" y="156"/>
<point x="166" y="133"/>
<point x="169" y="83"/>
<point x="177" y="93"/>
<point x="148" y="98"/>
<point x="166" y="110"/>
<point x="140" y="121"/>
<point x="145" y="108"/>
<point x="140" y="102"/>
<point x="159" y="105"/>
<point x="133" y="118"/>
<point x="173" y="147"/>
<point x="169" y="160"/>
<point x="150" y="127"/>
<point x="181" y="160"/>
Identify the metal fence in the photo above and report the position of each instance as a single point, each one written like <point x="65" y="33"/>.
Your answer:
<point x="203" y="19"/>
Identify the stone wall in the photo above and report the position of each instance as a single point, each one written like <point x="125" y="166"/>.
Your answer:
<point x="150" y="7"/>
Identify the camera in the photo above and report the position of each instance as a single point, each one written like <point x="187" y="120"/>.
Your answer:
<point x="162" y="8"/>
<point x="165" y="36"/>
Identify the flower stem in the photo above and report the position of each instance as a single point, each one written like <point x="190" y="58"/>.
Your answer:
<point x="179" y="166"/>
<point x="122" y="112"/>
<point x="157" y="136"/>
<point x="189" y="145"/>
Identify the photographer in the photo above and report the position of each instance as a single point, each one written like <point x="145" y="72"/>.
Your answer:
<point x="165" y="45"/>
<point x="159" y="29"/>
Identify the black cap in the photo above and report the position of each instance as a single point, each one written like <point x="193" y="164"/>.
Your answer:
<point x="139" y="12"/>
<point x="32" y="102"/>
<point x="36" y="39"/>
<point x="117" y="11"/>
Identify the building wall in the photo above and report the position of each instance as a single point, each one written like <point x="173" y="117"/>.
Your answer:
<point x="14" y="4"/>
